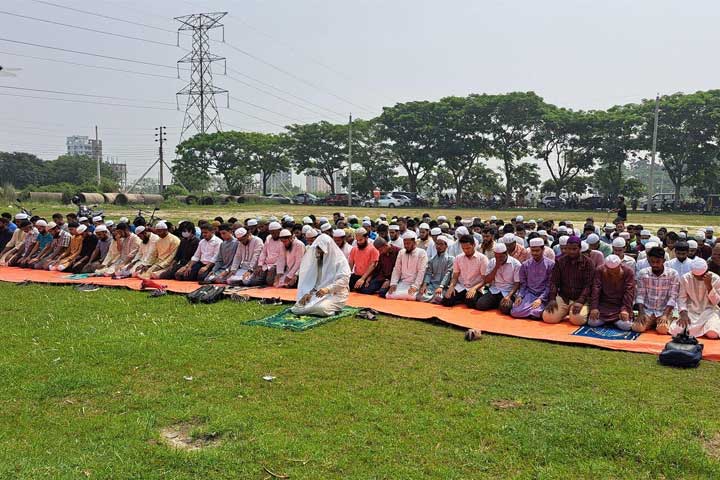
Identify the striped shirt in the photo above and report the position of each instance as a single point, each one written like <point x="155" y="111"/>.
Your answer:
<point x="656" y="292"/>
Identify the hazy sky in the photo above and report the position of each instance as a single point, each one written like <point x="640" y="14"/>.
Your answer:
<point x="370" y="53"/>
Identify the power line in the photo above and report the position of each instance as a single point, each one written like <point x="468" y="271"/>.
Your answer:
<point x="87" y="29"/>
<point x="85" y="95"/>
<point x="90" y="66"/>
<point x="257" y="118"/>
<point x="266" y="109"/>
<point x="87" y="102"/>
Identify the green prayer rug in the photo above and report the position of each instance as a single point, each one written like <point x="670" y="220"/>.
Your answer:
<point x="298" y="323"/>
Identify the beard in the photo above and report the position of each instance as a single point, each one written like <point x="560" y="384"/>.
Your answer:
<point x="362" y="246"/>
<point x="613" y="276"/>
<point x="146" y="239"/>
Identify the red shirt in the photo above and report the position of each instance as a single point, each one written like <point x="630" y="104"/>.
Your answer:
<point x="363" y="258"/>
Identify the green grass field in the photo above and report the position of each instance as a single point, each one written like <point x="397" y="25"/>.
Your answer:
<point x="89" y="380"/>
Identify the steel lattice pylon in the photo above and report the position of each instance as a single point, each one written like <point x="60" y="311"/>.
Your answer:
<point x="201" y="111"/>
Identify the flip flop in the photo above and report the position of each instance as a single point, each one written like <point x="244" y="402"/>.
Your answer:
<point x="473" y="334"/>
<point x="367" y="314"/>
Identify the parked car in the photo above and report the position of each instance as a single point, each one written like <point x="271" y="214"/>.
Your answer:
<point x="593" y="202"/>
<point x="416" y="200"/>
<point x="552" y="202"/>
<point x="305" y="199"/>
<point x="341" y="199"/>
<point x="660" y="201"/>
<point x="278" y="198"/>
<point x="387" y="201"/>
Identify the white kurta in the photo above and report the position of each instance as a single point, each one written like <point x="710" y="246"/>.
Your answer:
<point x="409" y="272"/>
<point x="701" y="306"/>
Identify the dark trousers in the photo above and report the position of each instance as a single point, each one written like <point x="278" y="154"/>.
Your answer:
<point x="489" y="301"/>
<point x="460" y="297"/>
<point x="375" y="287"/>
<point x="353" y="279"/>
<point x="194" y="274"/>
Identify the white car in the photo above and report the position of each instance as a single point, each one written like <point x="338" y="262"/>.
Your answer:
<point x="387" y="201"/>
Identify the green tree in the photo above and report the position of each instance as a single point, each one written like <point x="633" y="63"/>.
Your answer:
<point x="372" y="161"/>
<point x="21" y="169"/>
<point x="76" y="170"/>
<point x="633" y="189"/>
<point x="409" y="131"/>
<point x="526" y="178"/>
<point x="319" y="149"/>
<point x="195" y="161"/>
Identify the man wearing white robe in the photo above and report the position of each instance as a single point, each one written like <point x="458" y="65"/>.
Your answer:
<point x="323" y="280"/>
<point x="246" y="256"/>
<point x="340" y="240"/>
<point x="698" y="302"/>
<point x="409" y="271"/>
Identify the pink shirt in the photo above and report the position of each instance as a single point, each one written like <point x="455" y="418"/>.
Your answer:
<point x="271" y="253"/>
<point x="362" y="259"/>
<point x="471" y="270"/>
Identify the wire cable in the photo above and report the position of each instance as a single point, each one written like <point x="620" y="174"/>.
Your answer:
<point x="86" y="95"/>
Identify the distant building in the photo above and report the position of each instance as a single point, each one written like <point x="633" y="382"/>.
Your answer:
<point x="82" y="145"/>
<point x="280" y="182"/>
<point x="119" y="170"/>
<point x="316" y="185"/>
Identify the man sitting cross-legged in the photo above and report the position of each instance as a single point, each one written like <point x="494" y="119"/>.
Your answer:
<point x="698" y="302"/>
<point x="534" y="279"/>
<point x="570" y="286"/>
<point x="502" y="279"/>
<point x="613" y="294"/>
<point x="469" y="269"/>
<point x="363" y="260"/>
<point x="656" y="294"/>
<point x="409" y="271"/>
<point x="437" y="274"/>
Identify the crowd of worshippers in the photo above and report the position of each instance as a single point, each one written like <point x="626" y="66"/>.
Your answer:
<point x="616" y="275"/>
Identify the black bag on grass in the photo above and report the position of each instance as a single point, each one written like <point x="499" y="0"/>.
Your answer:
<point x="196" y="295"/>
<point x="213" y="294"/>
<point x="683" y="351"/>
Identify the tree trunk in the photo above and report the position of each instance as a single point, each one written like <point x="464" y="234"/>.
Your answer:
<point x="264" y="183"/>
<point x="412" y="182"/>
<point x="458" y="192"/>
<point x="508" y="185"/>
<point x="677" y="195"/>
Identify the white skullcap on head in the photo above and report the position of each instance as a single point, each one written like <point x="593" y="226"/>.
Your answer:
<point x="500" y="248"/>
<point x="563" y="241"/>
<point x="424" y="226"/>
<point x="307" y="220"/>
<point x="361" y="231"/>
<point x="272" y="219"/>
<point x="709" y="229"/>
<point x="584" y="247"/>
<point x="532" y="221"/>
<point x="367" y="223"/>
<point x="625" y="235"/>
<point x="519" y="218"/>
<point x="619" y="242"/>
<point x="645" y="233"/>
<point x="21" y="216"/>
<point x="109" y="223"/>
<point x="101" y="228"/>
<point x="562" y="228"/>
<point x="325" y="227"/>
<point x="284" y="233"/>
<point x="306" y="228"/>
<point x="312" y="233"/>
<point x="290" y="219"/>
<point x="609" y="227"/>
<point x="493" y="218"/>
<point x="462" y="231"/>
<point x="240" y="232"/>
<point x="442" y="218"/>
<point x="650" y="245"/>
<point x="692" y="244"/>
<point x="123" y="220"/>
<point x="699" y="266"/>
<point x="274" y="226"/>
<point x="409" y="235"/>
<point x="394" y="227"/>
<point x="252" y="222"/>
<point x="435" y="231"/>
<point x="338" y="232"/>
<point x="51" y="225"/>
<point x="537" y="242"/>
<point x="366" y="218"/>
<point x="323" y="220"/>
<point x="612" y="261"/>
<point x="41" y="223"/>
<point x="161" y="226"/>
<point x="444" y="239"/>
<point x="682" y="235"/>
<point x="508" y="238"/>
<point x="82" y="219"/>
<point x="542" y="233"/>
<point x="655" y="239"/>
<point x="81" y="228"/>
<point x="138" y="230"/>
<point x="97" y="218"/>
<point x="592" y="239"/>
<point x="383" y="216"/>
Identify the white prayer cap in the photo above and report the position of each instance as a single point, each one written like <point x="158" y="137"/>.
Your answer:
<point x="656" y="240"/>
<point x="577" y="232"/>
<point x="338" y="233"/>
<point x="650" y="245"/>
<point x="366" y="218"/>
<point x="409" y="235"/>
<point x="500" y="248"/>
<point x="435" y="231"/>
<point x="394" y="227"/>
<point x="306" y="228"/>
<point x="41" y="223"/>
<point x="444" y="239"/>
<point x="562" y="228"/>
<point x="252" y="222"/>
<point x="592" y="239"/>
<point x="307" y="220"/>
<point x="51" y="225"/>
<point x="82" y="219"/>
<point x="383" y="216"/>
<point x="274" y="226"/>
<point x="700" y="233"/>
<point x="367" y="223"/>
<point x="699" y="266"/>
<point x="290" y="218"/>
<point x="508" y="238"/>
<point x="519" y="240"/>
<point x="682" y="235"/>
<point x="493" y="218"/>
<point x="445" y="225"/>
<point x="612" y="261"/>
<point x="272" y="219"/>
<point x="240" y="232"/>
<point x="101" y="228"/>
<point x="361" y="231"/>
<point x="619" y="242"/>
<point x="645" y="233"/>
<point x="325" y="227"/>
<point x="312" y="233"/>
<point x="625" y="235"/>
<point x="537" y="242"/>
<point x="285" y="233"/>
<point x="692" y="244"/>
<point x="532" y="221"/>
<point x="21" y="216"/>
<point x="462" y="230"/>
<point x="442" y="218"/>
<point x="161" y="226"/>
<point x="519" y="218"/>
<point x="609" y="228"/>
<point x="97" y="219"/>
<point x="109" y="223"/>
<point x="123" y="220"/>
<point x="138" y="230"/>
<point x="709" y="229"/>
<point x="540" y="220"/>
<point x="323" y="219"/>
<point x="424" y="226"/>
<point x="584" y="247"/>
<point x="542" y="233"/>
<point x="81" y="228"/>
<point x="563" y="241"/>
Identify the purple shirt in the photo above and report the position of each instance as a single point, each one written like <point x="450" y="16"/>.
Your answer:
<point x="535" y="278"/>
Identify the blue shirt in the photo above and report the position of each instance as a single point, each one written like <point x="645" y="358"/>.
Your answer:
<point x="44" y="240"/>
<point x="11" y="227"/>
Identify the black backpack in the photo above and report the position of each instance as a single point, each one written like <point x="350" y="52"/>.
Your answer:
<point x="683" y="351"/>
<point x="212" y="295"/>
<point x="196" y="295"/>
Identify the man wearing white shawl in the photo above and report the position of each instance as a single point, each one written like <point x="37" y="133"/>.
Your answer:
<point x="323" y="280"/>
<point x="698" y="302"/>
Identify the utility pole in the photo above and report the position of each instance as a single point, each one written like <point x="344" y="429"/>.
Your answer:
<point x="651" y="190"/>
<point x="161" y="137"/>
<point x="350" y="162"/>
<point x="97" y="154"/>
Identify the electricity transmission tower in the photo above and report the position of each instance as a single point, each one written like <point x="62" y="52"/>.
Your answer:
<point x="201" y="113"/>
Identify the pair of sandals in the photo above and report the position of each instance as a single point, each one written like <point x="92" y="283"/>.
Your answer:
<point x="87" y="287"/>
<point x="270" y="301"/>
<point x="367" y="314"/>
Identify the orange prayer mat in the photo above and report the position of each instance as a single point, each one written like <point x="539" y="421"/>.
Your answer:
<point x="461" y="316"/>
